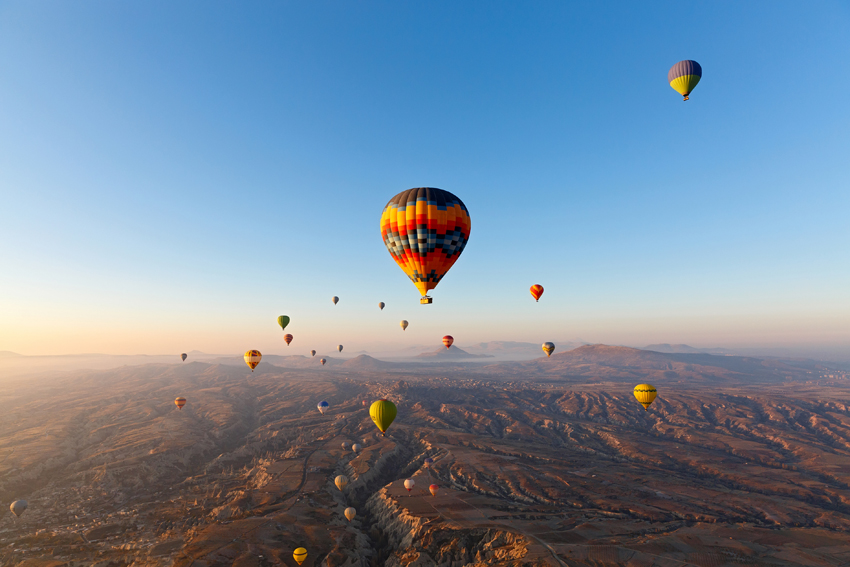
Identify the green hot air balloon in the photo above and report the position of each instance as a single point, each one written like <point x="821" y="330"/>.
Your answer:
<point x="383" y="413"/>
<point x="283" y="321"/>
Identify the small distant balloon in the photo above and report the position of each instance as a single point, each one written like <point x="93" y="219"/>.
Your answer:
<point x="323" y="361"/>
<point x="180" y="402"/>
<point x="335" y="299"/>
<point x="253" y="358"/>
<point x="312" y="353"/>
<point x="429" y="461"/>
<point x="323" y="405"/>
<point x="448" y="340"/>
<point x="184" y="356"/>
<point x="536" y="291"/>
<point x="434" y="488"/>
<point x="548" y="348"/>
<point x="381" y="305"/>
<point x="283" y="321"/>
<point x="299" y="555"/>
<point x="403" y="324"/>
<point x="341" y="481"/>
<point x="287" y="338"/>
<point x="409" y="484"/>
<point x="350" y="513"/>
<point x="18" y="507"/>
<point x="364" y="403"/>
<point x="356" y="447"/>
<point x="645" y="394"/>
<point x="339" y="348"/>
<point x="684" y="76"/>
<point x="346" y="445"/>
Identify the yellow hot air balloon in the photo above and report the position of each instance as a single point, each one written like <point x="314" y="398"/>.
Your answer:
<point x="548" y="348"/>
<point x="383" y="413"/>
<point x="684" y="76"/>
<point x="350" y="513"/>
<point x="645" y="394"/>
<point x="299" y="555"/>
<point x="341" y="481"/>
<point x="253" y="358"/>
<point x="180" y="402"/>
<point x="403" y="324"/>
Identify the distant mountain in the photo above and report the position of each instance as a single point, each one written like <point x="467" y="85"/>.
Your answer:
<point x="366" y="362"/>
<point x="672" y="349"/>
<point x="8" y="353"/>
<point x="452" y="353"/>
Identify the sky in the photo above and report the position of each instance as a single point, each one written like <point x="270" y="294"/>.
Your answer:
<point x="175" y="175"/>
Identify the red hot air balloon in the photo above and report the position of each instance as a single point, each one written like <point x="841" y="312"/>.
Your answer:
<point x="288" y="338"/>
<point x="433" y="488"/>
<point x="448" y="340"/>
<point x="536" y="291"/>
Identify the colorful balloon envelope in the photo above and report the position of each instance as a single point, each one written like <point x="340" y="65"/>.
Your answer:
<point x="323" y="361"/>
<point x="335" y="299"/>
<point x="287" y="338"/>
<point x="381" y="305"/>
<point x="323" y="405"/>
<point x="536" y="291"/>
<point x="404" y="325"/>
<point x="645" y="394"/>
<point x="180" y="402"/>
<point x="425" y="230"/>
<point x="409" y="484"/>
<point x="283" y="321"/>
<point x="383" y="413"/>
<point x="350" y="513"/>
<point x="341" y="481"/>
<point x="434" y="489"/>
<point x="548" y="348"/>
<point x="18" y="507"/>
<point x="448" y="340"/>
<point x="253" y="358"/>
<point x="299" y="555"/>
<point x="312" y="353"/>
<point x="429" y="461"/>
<point x="184" y="356"/>
<point x="364" y="403"/>
<point x="684" y="76"/>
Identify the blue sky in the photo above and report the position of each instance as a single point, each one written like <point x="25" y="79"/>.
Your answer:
<point x="174" y="175"/>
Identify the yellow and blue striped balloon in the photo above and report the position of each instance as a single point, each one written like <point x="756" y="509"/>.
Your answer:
<point x="684" y="76"/>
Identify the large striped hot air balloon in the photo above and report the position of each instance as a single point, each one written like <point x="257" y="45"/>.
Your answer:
<point x="448" y="340"/>
<point x="287" y="338"/>
<point x="383" y="413"/>
<point x="425" y="231"/>
<point x="645" y="394"/>
<point x="684" y="76"/>
<point x="252" y="358"/>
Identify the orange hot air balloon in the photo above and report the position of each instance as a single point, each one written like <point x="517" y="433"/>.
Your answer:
<point x="252" y="358"/>
<point x="288" y="338"/>
<point x="448" y="340"/>
<point x="536" y="291"/>
<point x="434" y="488"/>
<point x="180" y="402"/>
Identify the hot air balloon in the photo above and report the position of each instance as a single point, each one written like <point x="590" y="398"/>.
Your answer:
<point x="346" y="445"/>
<point x="18" y="507"/>
<point x="341" y="481"/>
<point x="433" y="488"/>
<point x="409" y="484"/>
<point x="364" y="403"/>
<point x="323" y="361"/>
<point x="356" y="447"/>
<point x="299" y="555"/>
<point x="287" y="338"/>
<point x="383" y="413"/>
<point x="548" y="348"/>
<point x="180" y="402"/>
<point x="312" y="353"/>
<point x="429" y="461"/>
<point x="645" y="394"/>
<point x="404" y="325"/>
<point x="448" y="340"/>
<point x="350" y="513"/>
<point x="323" y="405"/>
<point x="184" y="356"/>
<point x="536" y="291"/>
<point x="252" y="358"/>
<point x="335" y="299"/>
<point x="339" y="348"/>
<point x="684" y="76"/>
<point x="283" y="321"/>
<point x="425" y="231"/>
<point x="381" y="305"/>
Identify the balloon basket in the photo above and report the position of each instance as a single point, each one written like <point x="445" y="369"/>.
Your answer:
<point x="425" y="300"/>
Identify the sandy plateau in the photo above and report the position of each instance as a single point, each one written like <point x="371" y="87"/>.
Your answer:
<point x="545" y="462"/>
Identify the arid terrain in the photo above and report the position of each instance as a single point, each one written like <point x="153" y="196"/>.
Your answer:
<point x="544" y="462"/>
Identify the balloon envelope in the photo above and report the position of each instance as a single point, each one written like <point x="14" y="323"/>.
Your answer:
<point x="323" y="361"/>
<point x="339" y="348"/>
<point x="403" y="324"/>
<point x="448" y="340"/>
<point x="180" y="402"/>
<point x="383" y="413"/>
<point x="645" y="394"/>
<point x="252" y="358"/>
<point x="288" y="338"/>
<point x="341" y="481"/>
<point x="350" y="513"/>
<point x="548" y="348"/>
<point x="356" y="447"/>
<point x="536" y="291"/>
<point x="299" y="555"/>
<point x="283" y="321"/>
<point x="409" y="484"/>
<point x="429" y="461"/>
<point x="433" y="488"/>
<point x="312" y="353"/>
<point x="684" y="76"/>
<point x="184" y="356"/>
<point x="425" y="230"/>
<point x="18" y="507"/>
<point x="323" y="405"/>
<point x="381" y="305"/>
<point x="335" y="299"/>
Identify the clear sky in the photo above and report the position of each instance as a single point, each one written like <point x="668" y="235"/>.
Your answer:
<point x="175" y="175"/>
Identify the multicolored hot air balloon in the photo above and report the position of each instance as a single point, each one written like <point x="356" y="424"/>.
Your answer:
<point x="425" y="231"/>
<point x="253" y="358"/>
<point x="684" y="76"/>
<point x="180" y="402"/>
<point x="341" y="481"/>
<point x="448" y="340"/>
<point x="323" y="405"/>
<point x="434" y="489"/>
<point x="283" y="321"/>
<point x="548" y="348"/>
<point x="364" y="403"/>
<point x="312" y="353"/>
<point x="184" y="356"/>
<point x="339" y="348"/>
<point x="299" y="555"/>
<point x="18" y="507"/>
<point x="409" y="484"/>
<point x="335" y="299"/>
<point x="645" y="394"/>
<point x="383" y="413"/>
<point x="536" y="291"/>
<point x="323" y="361"/>
<point x="350" y="513"/>
<point x="403" y="325"/>
<point x="287" y="338"/>
<point x="381" y="305"/>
